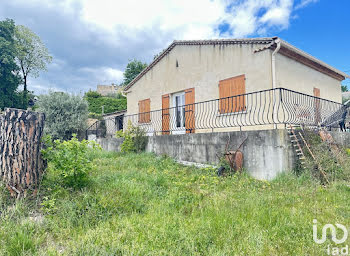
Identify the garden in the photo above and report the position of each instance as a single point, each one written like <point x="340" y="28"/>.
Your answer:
<point x="93" y="202"/>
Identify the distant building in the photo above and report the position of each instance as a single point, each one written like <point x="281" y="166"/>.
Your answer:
<point x="105" y="90"/>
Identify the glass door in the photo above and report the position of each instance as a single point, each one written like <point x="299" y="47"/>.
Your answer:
<point x="179" y="113"/>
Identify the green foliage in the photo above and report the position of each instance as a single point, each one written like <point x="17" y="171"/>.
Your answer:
<point x="69" y="159"/>
<point x="128" y="144"/>
<point x="92" y="94"/>
<point x="141" y="204"/>
<point x="344" y="88"/>
<point x="9" y="78"/>
<point x="31" y="55"/>
<point x="65" y="114"/>
<point x="135" y="139"/>
<point x="224" y="163"/>
<point x="133" y="68"/>
<point x="111" y="104"/>
<point x="115" y="95"/>
<point x="49" y="204"/>
<point x="95" y="116"/>
<point x="336" y="166"/>
<point x="347" y="150"/>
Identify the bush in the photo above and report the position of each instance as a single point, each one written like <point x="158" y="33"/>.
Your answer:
<point x="135" y="139"/>
<point x="332" y="160"/>
<point x="65" y="114"/>
<point x="92" y="94"/>
<point x="70" y="159"/>
<point x="111" y="104"/>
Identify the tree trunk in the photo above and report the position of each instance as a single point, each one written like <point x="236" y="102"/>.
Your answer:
<point x="21" y="163"/>
<point x="25" y="93"/>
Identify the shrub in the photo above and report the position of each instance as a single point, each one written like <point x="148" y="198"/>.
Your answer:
<point x="135" y="139"/>
<point x="331" y="160"/>
<point x="92" y="94"/>
<point x="70" y="159"/>
<point x="65" y="114"/>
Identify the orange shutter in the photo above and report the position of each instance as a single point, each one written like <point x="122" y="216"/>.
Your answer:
<point x="224" y="92"/>
<point x="165" y="114"/>
<point x="229" y="88"/>
<point x="144" y="111"/>
<point x="317" y="106"/>
<point x="316" y="92"/>
<point x="189" y="111"/>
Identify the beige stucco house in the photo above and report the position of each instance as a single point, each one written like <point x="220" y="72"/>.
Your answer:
<point x="162" y="96"/>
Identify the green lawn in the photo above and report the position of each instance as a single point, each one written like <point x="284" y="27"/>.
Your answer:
<point x="146" y="205"/>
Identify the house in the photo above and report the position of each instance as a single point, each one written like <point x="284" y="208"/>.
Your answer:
<point x="230" y="84"/>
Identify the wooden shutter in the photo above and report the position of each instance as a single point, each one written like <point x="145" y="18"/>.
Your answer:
<point x="229" y="88"/>
<point x="165" y="114"/>
<point x="144" y="111"/>
<point x="189" y="111"/>
<point x="316" y="92"/>
<point x="317" y="106"/>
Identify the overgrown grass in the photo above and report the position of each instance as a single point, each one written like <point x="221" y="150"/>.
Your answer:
<point x="139" y="204"/>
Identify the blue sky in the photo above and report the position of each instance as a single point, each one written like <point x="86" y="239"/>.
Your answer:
<point x="92" y="41"/>
<point x="323" y="30"/>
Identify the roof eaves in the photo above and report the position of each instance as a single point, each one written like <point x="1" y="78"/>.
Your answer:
<point x="310" y="57"/>
<point x="114" y="113"/>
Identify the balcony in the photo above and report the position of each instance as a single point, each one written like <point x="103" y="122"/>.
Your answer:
<point x="267" y="109"/>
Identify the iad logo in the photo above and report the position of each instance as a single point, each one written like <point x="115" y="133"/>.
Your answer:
<point x="333" y="231"/>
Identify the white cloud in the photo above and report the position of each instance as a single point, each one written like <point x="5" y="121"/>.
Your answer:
<point x="188" y="19"/>
<point x="93" y="40"/>
<point x="103" y="74"/>
<point x="278" y="15"/>
<point x="258" y="16"/>
<point x="304" y="3"/>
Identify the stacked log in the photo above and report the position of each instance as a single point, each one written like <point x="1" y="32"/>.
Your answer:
<point x="21" y="163"/>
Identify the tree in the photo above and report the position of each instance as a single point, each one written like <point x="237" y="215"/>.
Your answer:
<point x="9" y="80"/>
<point x="66" y="114"/>
<point x="21" y="162"/>
<point x="133" y="68"/>
<point x="32" y="56"/>
<point x="344" y="88"/>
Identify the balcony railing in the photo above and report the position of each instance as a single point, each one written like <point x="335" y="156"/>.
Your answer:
<point x="265" y="109"/>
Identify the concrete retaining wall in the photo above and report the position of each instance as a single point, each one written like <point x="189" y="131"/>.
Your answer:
<point x="109" y="144"/>
<point x="266" y="153"/>
<point x="341" y="138"/>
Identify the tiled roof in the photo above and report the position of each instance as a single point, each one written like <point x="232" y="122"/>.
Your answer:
<point x="265" y="42"/>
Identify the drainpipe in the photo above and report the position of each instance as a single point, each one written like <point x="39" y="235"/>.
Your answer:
<point x="273" y="61"/>
<point x="273" y="69"/>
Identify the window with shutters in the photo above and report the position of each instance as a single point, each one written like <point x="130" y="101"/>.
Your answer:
<point x="231" y="94"/>
<point x="144" y="111"/>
